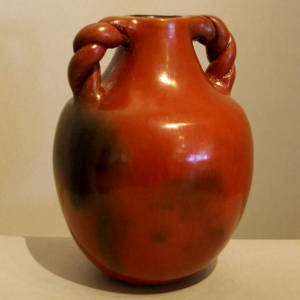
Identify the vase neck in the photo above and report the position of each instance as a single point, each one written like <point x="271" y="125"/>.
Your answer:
<point x="159" y="49"/>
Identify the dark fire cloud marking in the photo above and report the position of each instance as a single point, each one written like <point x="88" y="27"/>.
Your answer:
<point x="85" y="151"/>
<point x="88" y="160"/>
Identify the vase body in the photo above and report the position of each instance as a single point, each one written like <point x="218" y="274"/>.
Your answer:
<point x="153" y="163"/>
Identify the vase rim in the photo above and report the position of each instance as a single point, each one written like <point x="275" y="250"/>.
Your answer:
<point x="155" y="16"/>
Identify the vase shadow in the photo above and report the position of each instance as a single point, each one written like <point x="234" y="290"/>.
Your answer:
<point x="62" y="257"/>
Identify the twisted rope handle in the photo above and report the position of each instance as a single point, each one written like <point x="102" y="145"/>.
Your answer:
<point x="90" y="45"/>
<point x="220" y="49"/>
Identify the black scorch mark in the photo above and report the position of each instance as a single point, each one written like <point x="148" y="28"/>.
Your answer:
<point x="159" y="236"/>
<point x="86" y="154"/>
<point x="111" y="230"/>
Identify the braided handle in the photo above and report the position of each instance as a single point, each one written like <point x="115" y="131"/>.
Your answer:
<point x="90" y="45"/>
<point x="220" y="49"/>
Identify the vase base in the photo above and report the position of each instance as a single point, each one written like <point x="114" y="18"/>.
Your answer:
<point x="172" y="284"/>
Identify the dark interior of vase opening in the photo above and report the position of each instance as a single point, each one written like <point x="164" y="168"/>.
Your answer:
<point x="154" y="16"/>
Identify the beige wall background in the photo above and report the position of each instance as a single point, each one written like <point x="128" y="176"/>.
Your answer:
<point x="35" y="48"/>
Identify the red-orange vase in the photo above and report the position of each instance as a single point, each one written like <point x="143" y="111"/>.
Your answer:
<point x="153" y="161"/>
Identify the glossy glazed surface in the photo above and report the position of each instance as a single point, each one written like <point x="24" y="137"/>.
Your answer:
<point x="153" y="161"/>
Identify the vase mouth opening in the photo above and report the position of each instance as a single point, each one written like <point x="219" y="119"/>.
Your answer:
<point x="155" y="16"/>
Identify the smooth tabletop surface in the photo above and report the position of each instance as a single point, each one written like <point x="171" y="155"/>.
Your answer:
<point x="54" y="268"/>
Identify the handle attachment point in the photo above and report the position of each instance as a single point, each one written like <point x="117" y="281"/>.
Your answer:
<point x="84" y="71"/>
<point x="220" y="49"/>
